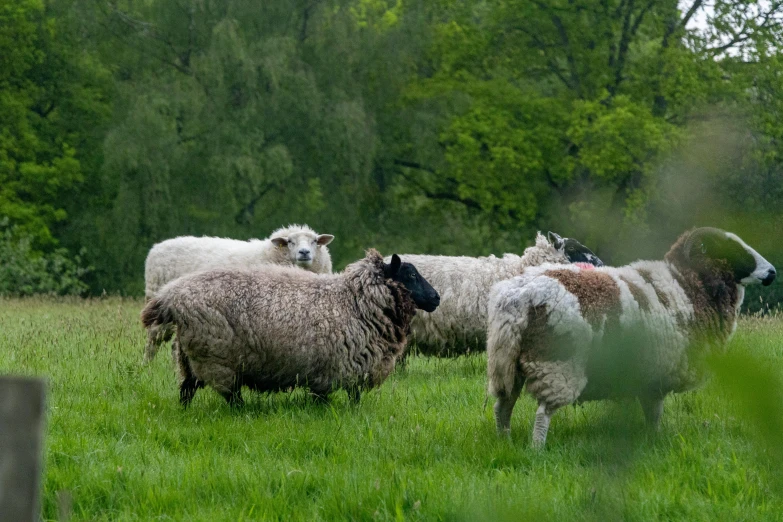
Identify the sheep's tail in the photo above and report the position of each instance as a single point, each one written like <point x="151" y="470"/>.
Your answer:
<point x="155" y="313"/>
<point x="158" y="319"/>
<point x="507" y="319"/>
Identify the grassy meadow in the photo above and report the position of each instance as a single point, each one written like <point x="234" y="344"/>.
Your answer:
<point x="421" y="447"/>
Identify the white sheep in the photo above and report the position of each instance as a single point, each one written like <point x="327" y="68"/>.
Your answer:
<point x="642" y="330"/>
<point x="294" y="245"/>
<point x="276" y="328"/>
<point x="459" y="325"/>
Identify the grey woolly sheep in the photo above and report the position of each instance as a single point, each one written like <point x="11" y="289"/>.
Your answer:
<point x="641" y="330"/>
<point x="459" y="324"/>
<point x="294" y="245"/>
<point x="280" y="327"/>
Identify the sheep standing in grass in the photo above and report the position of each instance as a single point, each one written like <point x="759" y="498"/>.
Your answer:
<point x="294" y="245"/>
<point x="459" y="325"/>
<point x="280" y="327"/>
<point x="641" y="330"/>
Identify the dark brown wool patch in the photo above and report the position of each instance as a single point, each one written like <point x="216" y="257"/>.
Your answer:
<point x="646" y="275"/>
<point x="638" y="295"/>
<point x="710" y="287"/>
<point x="597" y="293"/>
<point x="685" y="285"/>
<point x="662" y="297"/>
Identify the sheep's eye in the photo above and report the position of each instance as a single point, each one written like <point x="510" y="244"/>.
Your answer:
<point x="412" y="277"/>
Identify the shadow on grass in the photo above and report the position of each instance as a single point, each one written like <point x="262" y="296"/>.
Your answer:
<point x="270" y="404"/>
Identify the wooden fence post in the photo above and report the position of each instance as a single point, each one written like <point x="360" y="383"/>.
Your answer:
<point x="22" y="413"/>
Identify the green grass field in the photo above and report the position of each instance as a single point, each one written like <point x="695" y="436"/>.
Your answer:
<point x="421" y="447"/>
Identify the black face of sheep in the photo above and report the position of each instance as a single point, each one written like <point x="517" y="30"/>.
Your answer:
<point x="575" y="251"/>
<point x="709" y="249"/>
<point x="421" y="291"/>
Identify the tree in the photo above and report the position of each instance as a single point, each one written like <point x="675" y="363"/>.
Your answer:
<point x="46" y="112"/>
<point x="541" y="107"/>
<point x="231" y="118"/>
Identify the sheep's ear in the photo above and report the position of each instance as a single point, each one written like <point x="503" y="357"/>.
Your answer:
<point x="556" y="240"/>
<point x="280" y="241"/>
<point x="324" y="239"/>
<point x="393" y="268"/>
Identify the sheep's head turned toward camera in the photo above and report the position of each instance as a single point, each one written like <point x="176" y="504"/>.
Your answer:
<point x="574" y="251"/>
<point x="714" y="252"/>
<point x="302" y="246"/>
<point x="424" y="296"/>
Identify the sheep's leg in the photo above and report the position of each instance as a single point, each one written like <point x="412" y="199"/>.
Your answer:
<point x="189" y="384"/>
<point x="187" y="390"/>
<point x="175" y="349"/>
<point x="233" y="396"/>
<point x="504" y="407"/>
<point x="355" y="394"/>
<point x="222" y="379"/>
<point x="232" y="390"/>
<point x="653" y="409"/>
<point x="156" y="335"/>
<point x="151" y="348"/>
<point x="166" y="336"/>
<point x="541" y="426"/>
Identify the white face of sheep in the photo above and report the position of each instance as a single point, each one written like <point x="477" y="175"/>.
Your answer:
<point x="762" y="270"/>
<point x="302" y="246"/>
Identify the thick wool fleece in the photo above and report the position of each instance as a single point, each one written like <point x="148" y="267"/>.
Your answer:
<point x="182" y="255"/>
<point x="573" y="335"/>
<point x="283" y="327"/>
<point x="459" y="324"/>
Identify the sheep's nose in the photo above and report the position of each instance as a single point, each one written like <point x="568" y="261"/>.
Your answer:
<point x="769" y="278"/>
<point x="304" y="251"/>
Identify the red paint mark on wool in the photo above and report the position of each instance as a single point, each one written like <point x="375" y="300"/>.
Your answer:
<point x="584" y="266"/>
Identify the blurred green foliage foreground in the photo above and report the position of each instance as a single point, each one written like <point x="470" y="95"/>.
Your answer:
<point x="443" y="126"/>
<point x="421" y="447"/>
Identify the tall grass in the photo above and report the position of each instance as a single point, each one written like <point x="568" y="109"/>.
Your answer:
<point x="421" y="447"/>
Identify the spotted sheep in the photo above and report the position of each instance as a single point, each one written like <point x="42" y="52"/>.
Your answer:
<point x="642" y="330"/>
<point x="459" y="325"/>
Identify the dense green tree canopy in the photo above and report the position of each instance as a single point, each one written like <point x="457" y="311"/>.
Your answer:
<point x="50" y="97"/>
<point x="447" y="126"/>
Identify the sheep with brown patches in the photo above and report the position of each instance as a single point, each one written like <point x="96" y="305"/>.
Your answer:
<point x="572" y="335"/>
<point x="459" y="325"/>
<point x="280" y="327"/>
